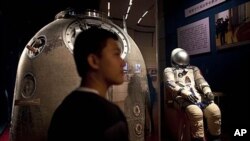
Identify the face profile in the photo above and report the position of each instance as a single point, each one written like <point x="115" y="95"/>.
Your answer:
<point x="111" y="64"/>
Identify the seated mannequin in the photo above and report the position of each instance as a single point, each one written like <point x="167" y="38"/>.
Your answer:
<point x="191" y="92"/>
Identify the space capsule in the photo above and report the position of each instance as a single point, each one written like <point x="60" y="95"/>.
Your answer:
<point x="46" y="73"/>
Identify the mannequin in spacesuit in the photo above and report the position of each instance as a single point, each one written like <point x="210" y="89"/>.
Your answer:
<point x="192" y="93"/>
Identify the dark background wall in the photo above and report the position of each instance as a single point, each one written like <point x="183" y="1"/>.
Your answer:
<point x="225" y="70"/>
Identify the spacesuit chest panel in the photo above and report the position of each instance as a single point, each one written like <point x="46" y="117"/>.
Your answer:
<point x="184" y="77"/>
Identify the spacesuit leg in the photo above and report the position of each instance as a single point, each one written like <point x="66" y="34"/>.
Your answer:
<point x="213" y="115"/>
<point x="195" y="116"/>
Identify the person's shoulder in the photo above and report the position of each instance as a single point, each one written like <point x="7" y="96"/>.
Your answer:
<point x="95" y="99"/>
<point x="75" y="95"/>
<point x="79" y="98"/>
<point x="110" y="104"/>
<point x="168" y="69"/>
<point x="91" y="99"/>
<point x="111" y="107"/>
<point x="192" y="67"/>
<point x="81" y="94"/>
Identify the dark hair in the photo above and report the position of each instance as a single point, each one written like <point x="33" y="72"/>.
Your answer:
<point x="91" y="40"/>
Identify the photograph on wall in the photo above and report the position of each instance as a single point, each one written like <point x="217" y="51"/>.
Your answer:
<point x="232" y="26"/>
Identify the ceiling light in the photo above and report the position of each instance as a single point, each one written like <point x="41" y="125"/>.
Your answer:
<point x="108" y="9"/>
<point x="139" y="20"/>
<point x="128" y="9"/>
<point x="129" y="6"/>
<point x="145" y="13"/>
<point x="126" y="16"/>
<point x="130" y="2"/>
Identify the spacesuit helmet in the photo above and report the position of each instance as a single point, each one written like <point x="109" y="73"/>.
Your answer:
<point x="179" y="58"/>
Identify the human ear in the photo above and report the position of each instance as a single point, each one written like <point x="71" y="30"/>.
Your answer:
<point x="93" y="61"/>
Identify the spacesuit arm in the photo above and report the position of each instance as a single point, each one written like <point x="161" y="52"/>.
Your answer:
<point x="202" y="84"/>
<point x="177" y="89"/>
<point x="170" y="84"/>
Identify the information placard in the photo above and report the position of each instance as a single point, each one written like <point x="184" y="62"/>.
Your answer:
<point x="195" y="37"/>
<point x="201" y="6"/>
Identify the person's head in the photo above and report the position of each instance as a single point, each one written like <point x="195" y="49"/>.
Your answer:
<point x="97" y="51"/>
<point x="179" y="58"/>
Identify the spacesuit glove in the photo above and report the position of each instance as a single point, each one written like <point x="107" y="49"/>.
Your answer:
<point x="209" y="96"/>
<point x="192" y="98"/>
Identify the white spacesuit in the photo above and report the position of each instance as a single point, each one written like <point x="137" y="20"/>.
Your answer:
<point x="192" y="93"/>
